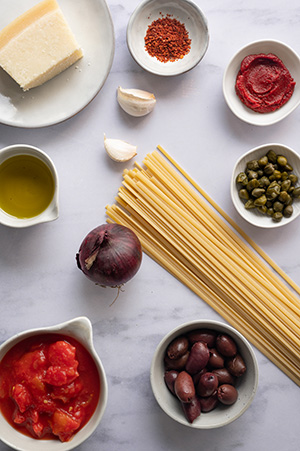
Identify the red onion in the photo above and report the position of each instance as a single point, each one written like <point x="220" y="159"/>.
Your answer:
<point x="110" y="255"/>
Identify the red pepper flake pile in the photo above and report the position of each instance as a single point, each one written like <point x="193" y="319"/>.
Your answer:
<point x="167" y="39"/>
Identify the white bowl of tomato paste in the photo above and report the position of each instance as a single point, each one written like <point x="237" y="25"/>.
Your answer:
<point x="167" y="38"/>
<point x="261" y="84"/>
<point x="53" y="388"/>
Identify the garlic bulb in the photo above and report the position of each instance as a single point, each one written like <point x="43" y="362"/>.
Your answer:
<point x="135" y="101"/>
<point x="119" y="150"/>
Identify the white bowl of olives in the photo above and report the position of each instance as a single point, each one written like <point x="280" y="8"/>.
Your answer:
<point x="265" y="189"/>
<point x="204" y="374"/>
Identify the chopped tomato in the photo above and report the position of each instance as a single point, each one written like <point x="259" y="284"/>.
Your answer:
<point x="49" y="387"/>
<point x="64" y="425"/>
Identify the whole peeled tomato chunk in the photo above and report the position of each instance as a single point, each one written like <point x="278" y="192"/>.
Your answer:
<point x="198" y="358"/>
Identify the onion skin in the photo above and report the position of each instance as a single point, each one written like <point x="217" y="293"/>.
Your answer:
<point x="110" y="255"/>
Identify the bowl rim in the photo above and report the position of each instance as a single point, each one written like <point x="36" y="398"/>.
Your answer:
<point x="247" y="118"/>
<point x="208" y="324"/>
<point x="82" y="323"/>
<point x="154" y="71"/>
<point x="240" y="207"/>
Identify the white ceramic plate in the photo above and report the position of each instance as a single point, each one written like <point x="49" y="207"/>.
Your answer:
<point x="69" y="92"/>
<point x="254" y="217"/>
<point x="291" y="61"/>
<point x="186" y="12"/>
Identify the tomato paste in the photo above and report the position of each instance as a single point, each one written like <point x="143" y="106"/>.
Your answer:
<point x="263" y="83"/>
<point x="49" y="386"/>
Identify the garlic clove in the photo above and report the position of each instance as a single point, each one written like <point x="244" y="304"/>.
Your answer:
<point x="119" y="150"/>
<point x="136" y="102"/>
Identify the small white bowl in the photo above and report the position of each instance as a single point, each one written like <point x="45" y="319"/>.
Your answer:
<point x="291" y="61"/>
<point x="186" y="12"/>
<point x="80" y="329"/>
<point x="221" y="415"/>
<point x="253" y="216"/>
<point x="52" y="211"/>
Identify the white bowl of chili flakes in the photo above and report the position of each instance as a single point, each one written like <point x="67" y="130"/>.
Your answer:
<point x="167" y="38"/>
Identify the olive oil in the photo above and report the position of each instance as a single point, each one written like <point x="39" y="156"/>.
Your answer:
<point x="26" y="186"/>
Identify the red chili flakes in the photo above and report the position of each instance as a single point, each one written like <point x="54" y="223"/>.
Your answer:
<point x="167" y="39"/>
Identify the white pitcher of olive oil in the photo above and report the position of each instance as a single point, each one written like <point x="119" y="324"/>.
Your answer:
<point x="28" y="186"/>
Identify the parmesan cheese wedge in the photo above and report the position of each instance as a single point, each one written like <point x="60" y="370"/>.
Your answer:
<point x="38" y="45"/>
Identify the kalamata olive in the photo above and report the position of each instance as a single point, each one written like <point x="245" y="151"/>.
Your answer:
<point x="177" y="364"/>
<point x="226" y="345"/>
<point x="207" y="385"/>
<point x="170" y="377"/>
<point x="197" y="376"/>
<point x="192" y="409"/>
<point x="224" y="377"/>
<point x="198" y="358"/>
<point x="227" y="394"/>
<point x="216" y="360"/>
<point x="184" y="387"/>
<point x="209" y="403"/>
<point x="236" y="365"/>
<point x="206" y="335"/>
<point x="178" y="347"/>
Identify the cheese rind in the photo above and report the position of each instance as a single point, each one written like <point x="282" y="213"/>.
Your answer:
<point x="38" y="45"/>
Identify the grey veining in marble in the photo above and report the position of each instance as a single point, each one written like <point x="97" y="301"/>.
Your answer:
<point x="41" y="285"/>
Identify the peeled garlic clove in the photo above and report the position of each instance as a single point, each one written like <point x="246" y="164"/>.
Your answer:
<point x="119" y="150"/>
<point x="135" y="101"/>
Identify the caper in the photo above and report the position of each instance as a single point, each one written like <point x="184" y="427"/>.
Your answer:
<point x="272" y="191"/>
<point x="281" y="160"/>
<point x="278" y="206"/>
<point x="269" y="203"/>
<point x="264" y="181"/>
<point x="243" y="193"/>
<point x="260" y="201"/>
<point x="283" y="197"/>
<point x="289" y="200"/>
<point x="263" y="209"/>
<point x="252" y="175"/>
<point x="291" y="189"/>
<point x="293" y="178"/>
<point x="252" y="165"/>
<point x="288" y="168"/>
<point x="254" y="183"/>
<point x="276" y="175"/>
<point x="284" y="175"/>
<point x="242" y="178"/>
<point x="270" y="211"/>
<point x="288" y="211"/>
<point x="263" y="161"/>
<point x="277" y="216"/>
<point x="272" y="157"/>
<point x="296" y="192"/>
<point x="249" y="204"/>
<point x="285" y="185"/>
<point x="269" y="169"/>
<point x="260" y="173"/>
<point x="257" y="192"/>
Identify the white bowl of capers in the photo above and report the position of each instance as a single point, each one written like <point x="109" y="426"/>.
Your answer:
<point x="265" y="185"/>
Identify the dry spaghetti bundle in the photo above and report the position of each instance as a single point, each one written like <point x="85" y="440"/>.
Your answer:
<point x="179" y="228"/>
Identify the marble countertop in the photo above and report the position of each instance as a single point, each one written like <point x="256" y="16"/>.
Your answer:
<point x="41" y="285"/>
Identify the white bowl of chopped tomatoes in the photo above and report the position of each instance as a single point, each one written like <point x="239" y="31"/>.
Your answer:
<point x="53" y="388"/>
<point x="167" y="38"/>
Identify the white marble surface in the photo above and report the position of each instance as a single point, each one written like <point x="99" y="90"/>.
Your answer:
<point x="41" y="285"/>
